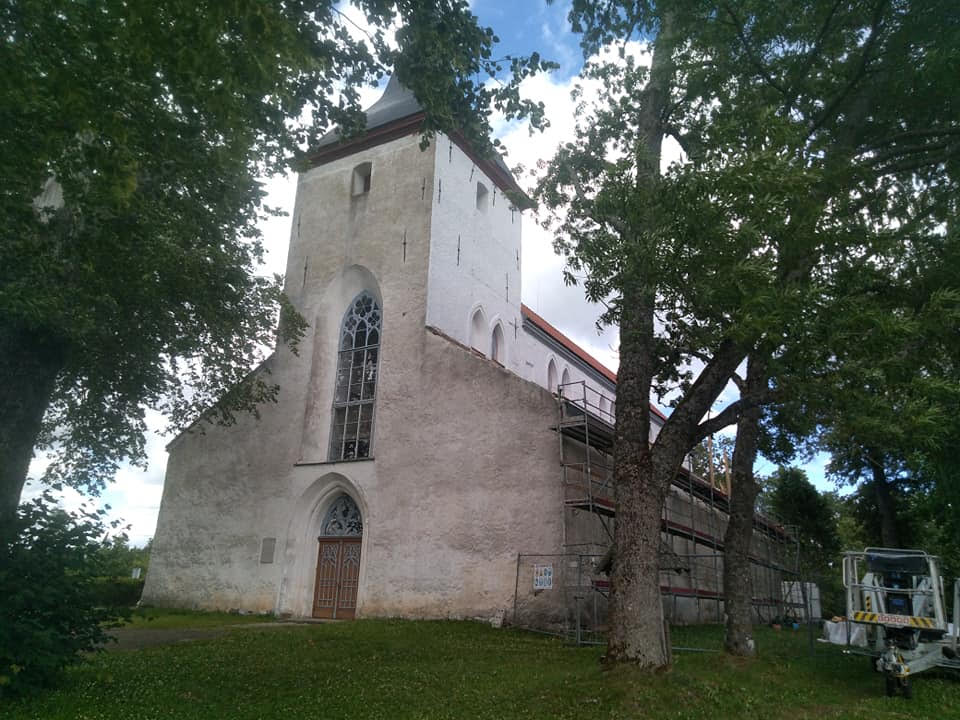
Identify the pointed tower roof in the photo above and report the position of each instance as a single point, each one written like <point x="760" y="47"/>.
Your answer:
<point x="397" y="103"/>
<point x="397" y="113"/>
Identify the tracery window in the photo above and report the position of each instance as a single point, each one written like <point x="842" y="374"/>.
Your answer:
<point x="343" y="518"/>
<point x="351" y="435"/>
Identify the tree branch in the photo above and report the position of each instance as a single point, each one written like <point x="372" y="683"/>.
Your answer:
<point x="804" y="69"/>
<point x="754" y="59"/>
<point x="921" y="149"/>
<point x="728" y="416"/>
<point x="834" y="105"/>
<point x="914" y="134"/>
<point x="922" y="161"/>
<point x="740" y="382"/>
<point x="706" y="388"/>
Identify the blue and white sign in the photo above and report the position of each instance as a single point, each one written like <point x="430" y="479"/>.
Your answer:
<point x="543" y="577"/>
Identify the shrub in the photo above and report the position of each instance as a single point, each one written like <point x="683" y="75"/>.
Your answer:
<point x="49" y="610"/>
<point x="117" y="592"/>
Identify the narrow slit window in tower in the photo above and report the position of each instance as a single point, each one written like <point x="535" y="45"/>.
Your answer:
<point x="361" y="179"/>
<point x="483" y="196"/>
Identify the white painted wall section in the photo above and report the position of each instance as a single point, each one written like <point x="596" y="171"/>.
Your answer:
<point x="474" y="256"/>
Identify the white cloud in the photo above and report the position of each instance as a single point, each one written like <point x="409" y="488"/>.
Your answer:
<point x="543" y="287"/>
<point x="134" y="495"/>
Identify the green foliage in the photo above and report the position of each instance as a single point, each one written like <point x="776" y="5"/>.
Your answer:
<point x="820" y="165"/>
<point x="50" y="606"/>
<point x="132" y="142"/>
<point x="445" y="670"/>
<point x="119" y="558"/>
<point x="814" y="517"/>
<point x="796" y="502"/>
<point x="117" y="592"/>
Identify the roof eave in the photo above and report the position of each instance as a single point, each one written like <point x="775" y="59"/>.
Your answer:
<point x="551" y="332"/>
<point x="410" y="125"/>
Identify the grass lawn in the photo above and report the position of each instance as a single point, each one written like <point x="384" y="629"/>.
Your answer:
<point x="396" y="669"/>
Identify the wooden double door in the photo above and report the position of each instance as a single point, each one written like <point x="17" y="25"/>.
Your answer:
<point x="338" y="573"/>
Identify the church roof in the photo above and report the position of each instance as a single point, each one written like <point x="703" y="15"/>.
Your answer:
<point x="397" y="103"/>
<point x="398" y="112"/>
<point x="578" y="351"/>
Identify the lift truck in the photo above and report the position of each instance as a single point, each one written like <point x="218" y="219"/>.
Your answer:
<point x="898" y="595"/>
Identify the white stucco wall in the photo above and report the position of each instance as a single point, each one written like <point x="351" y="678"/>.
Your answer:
<point x="474" y="255"/>
<point x="474" y="279"/>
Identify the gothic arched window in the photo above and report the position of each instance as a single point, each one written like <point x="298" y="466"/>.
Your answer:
<point x="343" y="518"/>
<point x="478" y="330"/>
<point x="351" y="436"/>
<point x="496" y="345"/>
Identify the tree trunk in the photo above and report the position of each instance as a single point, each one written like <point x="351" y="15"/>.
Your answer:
<point x="636" y="614"/>
<point x="642" y="476"/>
<point x="643" y="473"/>
<point x="29" y="371"/>
<point x="885" y="506"/>
<point x="737" y="576"/>
<point x="636" y="628"/>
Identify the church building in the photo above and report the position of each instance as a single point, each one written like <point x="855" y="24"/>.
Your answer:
<point x="430" y="431"/>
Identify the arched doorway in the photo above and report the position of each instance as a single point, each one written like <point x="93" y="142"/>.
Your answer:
<point x="338" y="561"/>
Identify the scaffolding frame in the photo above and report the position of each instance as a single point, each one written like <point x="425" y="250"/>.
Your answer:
<point x="693" y="524"/>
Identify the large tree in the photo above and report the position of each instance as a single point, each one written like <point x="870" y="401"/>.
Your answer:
<point x="810" y="133"/>
<point x="894" y="395"/>
<point x="132" y="137"/>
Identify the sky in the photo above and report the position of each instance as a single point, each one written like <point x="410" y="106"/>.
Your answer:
<point x="525" y="27"/>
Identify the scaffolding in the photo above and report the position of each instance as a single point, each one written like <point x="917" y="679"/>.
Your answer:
<point x="693" y="525"/>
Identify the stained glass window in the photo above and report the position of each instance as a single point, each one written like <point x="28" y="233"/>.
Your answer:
<point x="343" y="518"/>
<point x="351" y="436"/>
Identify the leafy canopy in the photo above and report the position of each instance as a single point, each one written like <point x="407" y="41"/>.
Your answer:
<point x="132" y="137"/>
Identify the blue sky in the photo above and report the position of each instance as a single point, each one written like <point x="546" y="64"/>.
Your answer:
<point x="523" y="28"/>
<point x="537" y="27"/>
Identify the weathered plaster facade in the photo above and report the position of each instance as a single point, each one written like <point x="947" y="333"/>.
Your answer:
<point x="464" y="469"/>
<point x="464" y="462"/>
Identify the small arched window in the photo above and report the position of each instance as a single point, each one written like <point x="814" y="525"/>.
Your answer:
<point x="552" y="376"/>
<point x="565" y="378"/>
<point x="604" y="409"/>
<point x="478" y="330"/>
<point x="496" y="345"/>
<point x="351" y="435"/>
<point x="362" y="174"/>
